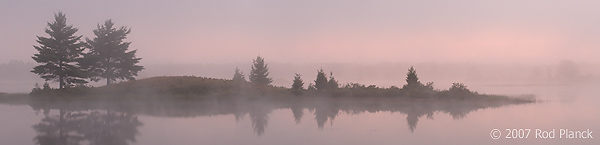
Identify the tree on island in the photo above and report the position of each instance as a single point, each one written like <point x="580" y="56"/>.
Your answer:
<point x="238" y="76"/>
<point x="108" y="55"/>
<point x="321" y="81"/>
<point x="298" y="84"/>
<point x="260" y="72"/>
<point x="332" y="83"/>
<point x="59" y="54"/>
<point x="413" y="83"/>
<point x="311" y="87"/>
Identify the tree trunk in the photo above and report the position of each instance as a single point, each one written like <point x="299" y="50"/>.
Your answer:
<point x="60" y="76"/>
<point x="60" y="82"/>
<point x="108" y="72"/>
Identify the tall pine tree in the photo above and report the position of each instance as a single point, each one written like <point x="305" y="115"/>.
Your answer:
<point x="59" y="54"/>
<point x="412" y="81"/>
<point x="332" y="83"/>
<point x="108" y="55"/>
<point x="321" y="82"/>
<point x="260" y="72"/>
<point x="298" y="83"/>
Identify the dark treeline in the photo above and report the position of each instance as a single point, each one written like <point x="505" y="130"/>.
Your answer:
<point x="259" y="85"/>
<point x="327" y="85"/>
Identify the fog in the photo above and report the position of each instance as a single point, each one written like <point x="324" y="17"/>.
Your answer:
<point x="543" y="53"/>
<point x="16" y="77"/>
<point x="369" y="42"/>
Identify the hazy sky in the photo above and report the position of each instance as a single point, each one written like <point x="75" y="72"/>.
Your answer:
<point x="305" y="31"/>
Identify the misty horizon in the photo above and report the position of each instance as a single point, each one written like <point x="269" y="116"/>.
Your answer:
<point x="18" y="79"/>
<point x="148" y="72"/>
<point x="327" y="32"/>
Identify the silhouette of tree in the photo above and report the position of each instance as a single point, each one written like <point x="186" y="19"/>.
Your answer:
<point x="311" y="87"/>
<point x="108" y="55"/>
<point x="260" y="72"/>
<point x="238" y="76"/>
<point x="332" y="83"/>
<point x="412" y="81"/>
<point x="60" y="53"/>
<point x="321" y="81"/>
<point x="298" y="84"/>
<point x="459" y="87"/>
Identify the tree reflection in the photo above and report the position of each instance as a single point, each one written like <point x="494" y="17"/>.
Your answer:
<point x="298" y="112"/>
<point x="260" y="119"/>
<point x="118" y="128"/>
<point x="93" y="127"/>
<point x="59" y="129"/>
<point x="324" y="113"/>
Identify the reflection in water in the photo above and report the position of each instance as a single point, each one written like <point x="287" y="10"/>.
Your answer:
<point x="116" y="127"/>
<point x="93" y="127"/>
<point x="324" y="113"/>
<point x="260" y="118"/>
<point x="298" y="113"/>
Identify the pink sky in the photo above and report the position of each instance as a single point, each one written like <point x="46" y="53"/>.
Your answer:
<point x="333" y="31"/>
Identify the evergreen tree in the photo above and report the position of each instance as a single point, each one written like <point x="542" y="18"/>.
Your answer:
<point x="59" y="54"/>
<point x="298" y="83"/>
<point x="321" y="81"/>
<point x="260" y="72"/>
<point x="412" y="81"/>
<point x="108" y="55"/>
<point x="311" y="87"/>
<point x="238" y="76"/>
<point x="332" y="83"/>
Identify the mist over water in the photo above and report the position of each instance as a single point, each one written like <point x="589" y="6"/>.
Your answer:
<point x="547" y="50"/>
<point x="320" y="121"/>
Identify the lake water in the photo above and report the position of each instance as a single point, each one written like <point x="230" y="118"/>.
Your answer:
<point x="576" y="108"/>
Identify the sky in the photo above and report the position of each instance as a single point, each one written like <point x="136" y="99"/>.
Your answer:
<point x="323" y="31"/>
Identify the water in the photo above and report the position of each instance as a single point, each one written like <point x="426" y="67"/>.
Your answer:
<point x="310" y="122"/>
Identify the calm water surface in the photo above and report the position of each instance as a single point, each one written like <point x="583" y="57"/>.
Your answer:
<point x="563" y="107"/>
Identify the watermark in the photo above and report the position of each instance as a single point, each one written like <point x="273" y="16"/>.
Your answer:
<point x="525" y="133"/>
<point x="495" y="134"/>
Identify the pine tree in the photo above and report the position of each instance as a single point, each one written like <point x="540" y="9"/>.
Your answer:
<point x="311" y="87"/>
<point x="298" y="83"/>
<point x="412" y="81"/>
<point x="59" y="54"/>
<point x="108" y="55"/>
<point x="332" y="83"/>
<point x="321" y="81"/>
<point x="238" y="76"/>
<point x="260" y="72"/>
